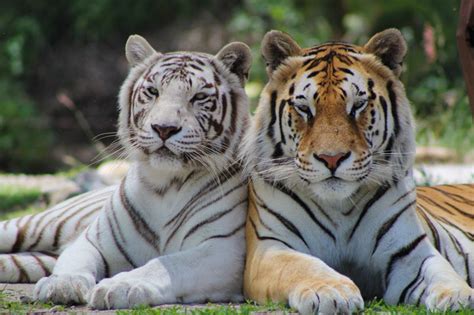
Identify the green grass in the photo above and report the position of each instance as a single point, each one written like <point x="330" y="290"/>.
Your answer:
<point x="451" y="128"/>
<point x="19" y="201"/>
<point x="14" y="198"/>
<point x="372" y="307"/>
<point x="210" y="309"/>
<point x="10" y="306"/>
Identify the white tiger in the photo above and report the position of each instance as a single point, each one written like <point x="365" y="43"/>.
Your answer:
<point x="173" y="230"/>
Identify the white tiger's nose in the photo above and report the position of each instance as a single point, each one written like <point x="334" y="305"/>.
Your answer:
<point x="165" y="131"/>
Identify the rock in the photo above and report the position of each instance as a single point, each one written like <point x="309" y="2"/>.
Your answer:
<point x="112" y="172"/>
<point x="55" y="188"/>
<point x="434" y="154"/>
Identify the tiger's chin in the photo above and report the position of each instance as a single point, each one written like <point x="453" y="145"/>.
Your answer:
<point x="334" y="189"/>
<point x="165" y="159"/>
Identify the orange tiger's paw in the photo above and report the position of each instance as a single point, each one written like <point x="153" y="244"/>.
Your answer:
<point x="450" y="298"/>
<point x="341" y="297"/>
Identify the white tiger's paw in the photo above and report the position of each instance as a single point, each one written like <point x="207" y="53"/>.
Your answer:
<point x="123" y="293"/>
<point x="64" y="289"/>
<point x="341" y="297"/>
<point x="450" y="297"/>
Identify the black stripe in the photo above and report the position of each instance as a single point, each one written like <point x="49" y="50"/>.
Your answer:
<point x="209" y="220"/>
<point x="460" y="251"/>
<point x="119" y="246"/>
<point x="402" y="297"/>
<point x="346" y="70"/>
<point x="208" y="187"/>
<point x="378" y="194"/>
<point x="393" y="104"/>
<point x="389" y="224"/>
<point x="305" y="207"/>
<point x="280" y="119"/>
<point x="45" y="268"/>
<point x="23" y="276"/>
<point x="267" y="238"/>
<point x="402" y="252"/>
<point x="138" y="222"/>
<point x="385" y="117"/>
<point x="270" y="131"/>
<point x="432" y="228"/>
<point x="191" y="212"/>
<point x="287" y="223"/>
<point x="456" y="197"/>
<point x="104" y="261"/>
<point x="231" y="233"/>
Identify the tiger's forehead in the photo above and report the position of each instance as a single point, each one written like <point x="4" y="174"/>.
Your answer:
<point x="181" y="67"/>
<point x="327" y="69"/>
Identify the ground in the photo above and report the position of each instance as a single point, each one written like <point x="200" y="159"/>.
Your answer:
<point x="20" y="195"/>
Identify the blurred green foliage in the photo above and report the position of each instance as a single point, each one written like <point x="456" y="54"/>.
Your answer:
<point x="28" y="28"/>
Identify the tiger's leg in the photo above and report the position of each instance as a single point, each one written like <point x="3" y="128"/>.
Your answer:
<point x="25" y="267"/>
<point x="75" y="273"/>
<point x="212" y="271"/>
<point x="275" y="272"/>
<point x="419" y="274"/>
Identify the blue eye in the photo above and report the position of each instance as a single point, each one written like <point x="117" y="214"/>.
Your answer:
<point x="199" y="97"/>
<point x="153" y="91"/>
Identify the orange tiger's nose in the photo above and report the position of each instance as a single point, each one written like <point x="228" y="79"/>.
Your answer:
<point x="164" y="132"/>
<point x="332" y="161"/>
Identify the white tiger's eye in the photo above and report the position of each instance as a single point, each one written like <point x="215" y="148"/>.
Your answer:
<point x="199" y="97"/>
<point x="153" y="91"/>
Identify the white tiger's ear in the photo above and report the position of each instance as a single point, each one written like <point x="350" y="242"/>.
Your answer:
<point x="237" y="57"/>
<point x="137" y="49"/>
<point x="390" y="47"/>
<point x="276" y="47"/>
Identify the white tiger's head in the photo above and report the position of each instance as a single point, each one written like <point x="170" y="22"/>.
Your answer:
<point x="333" y="117"/>
<point x="183" y="109"/>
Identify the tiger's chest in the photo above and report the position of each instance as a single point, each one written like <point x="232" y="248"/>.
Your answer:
<point x="343" y="241"/>
<point x="183" y="214"/>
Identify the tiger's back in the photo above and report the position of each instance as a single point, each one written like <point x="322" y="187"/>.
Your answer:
<point x="447" y="215"/>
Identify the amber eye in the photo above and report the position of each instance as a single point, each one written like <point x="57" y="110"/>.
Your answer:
<point x="358" y="107"/>
<point x="199" y="97"/>
<point x="304" y="110"/>
<point x="153" y="91"/>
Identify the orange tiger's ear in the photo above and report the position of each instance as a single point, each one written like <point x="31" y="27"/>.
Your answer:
<point x="390" y="47"/>
<point x="137" y="49"/>
<point x="237" y="57"/>
<point x="276" y="47"/>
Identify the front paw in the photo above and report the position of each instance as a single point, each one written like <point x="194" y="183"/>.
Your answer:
<point x="64" y="289"/>
<point x="331" y="297"/>
<point x="454" y="297"/>
<point x="123" y="293"/>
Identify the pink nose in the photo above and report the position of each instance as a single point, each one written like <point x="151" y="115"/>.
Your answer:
<point x="332" y="161"/>
<point x="164" y="132"/>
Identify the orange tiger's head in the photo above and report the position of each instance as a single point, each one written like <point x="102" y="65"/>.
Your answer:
<point x="333" y="117"/>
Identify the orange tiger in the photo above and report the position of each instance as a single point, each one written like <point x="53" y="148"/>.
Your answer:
<point x="332" y="200"/>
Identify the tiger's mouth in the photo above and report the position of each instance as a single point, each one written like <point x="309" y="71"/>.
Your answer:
<point x="165" y="152"/>
<point x="334" y="188"/>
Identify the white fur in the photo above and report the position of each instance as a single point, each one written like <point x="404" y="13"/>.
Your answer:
<point x="173" y="230"/>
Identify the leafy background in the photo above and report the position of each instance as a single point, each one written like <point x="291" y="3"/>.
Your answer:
<point x="62" y="63"/>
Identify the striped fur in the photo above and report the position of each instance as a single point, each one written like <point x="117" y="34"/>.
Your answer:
<point x="173" y="230"/>
<point x="332" y="202"/>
